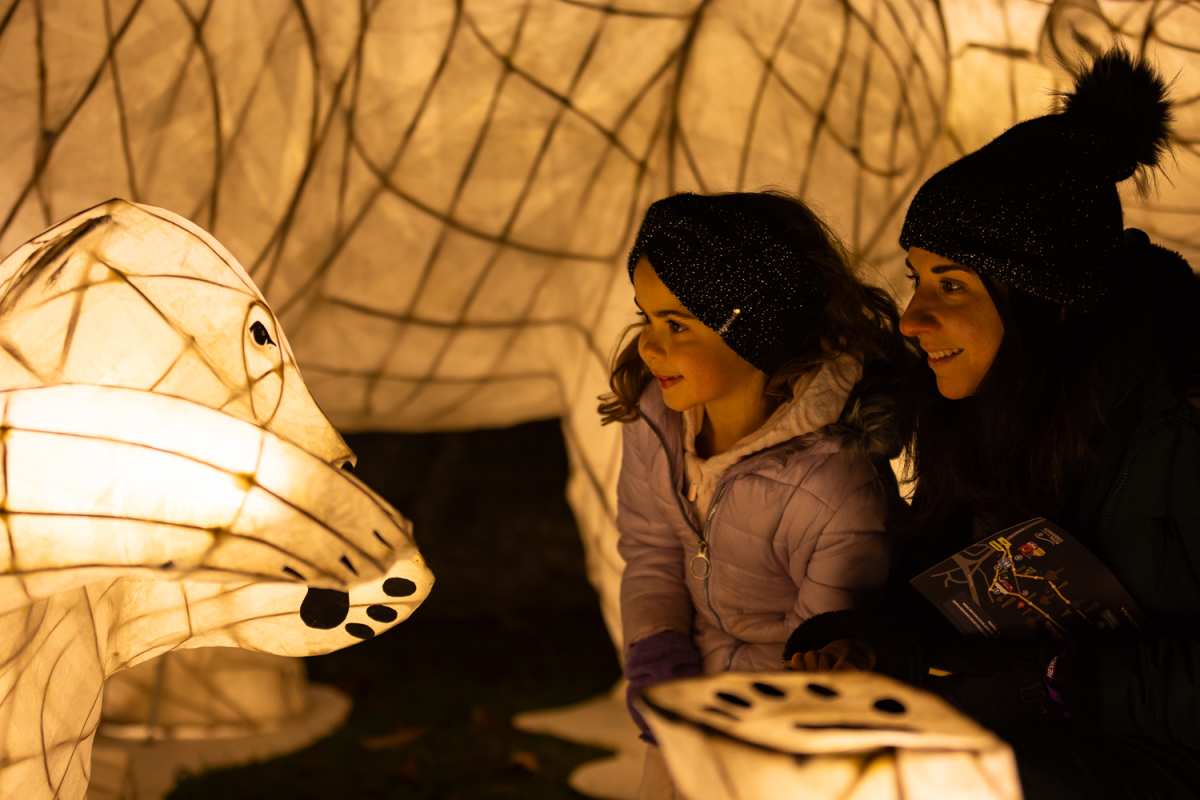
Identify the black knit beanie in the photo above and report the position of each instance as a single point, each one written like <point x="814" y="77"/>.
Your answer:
<point x="719" y="255"/>
<point x="1037" y="208"/>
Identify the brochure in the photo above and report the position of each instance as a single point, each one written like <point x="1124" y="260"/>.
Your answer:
<point x="1024" y="581"/>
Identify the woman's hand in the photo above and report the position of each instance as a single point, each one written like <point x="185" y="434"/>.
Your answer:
<point x="838" y="655"/>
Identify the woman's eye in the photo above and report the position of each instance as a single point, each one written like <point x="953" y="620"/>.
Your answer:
<point x="951" y="286"/>
<point x="675" y="327"/>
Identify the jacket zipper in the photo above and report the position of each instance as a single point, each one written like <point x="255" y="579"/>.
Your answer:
<point x="662" y="440"/>
<point x="702" y="556"/>
<point x="700" y="565"/>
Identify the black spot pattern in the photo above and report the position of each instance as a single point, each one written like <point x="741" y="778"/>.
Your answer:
<point x="768" y="690"/>
<point x="734" y="699"/>
<point x="293" y="573"/>
<point x="324" y="608"/>
<point x="821" y="690"/>
<point x="850" y="726"/>
<point x="399" y="587"/>
<point x="722" y="713"/>
<point x="381" y="613"/>
<point x="890" y="705"/>
<point x="359" y="630"/>
<point x="346" y="563"/>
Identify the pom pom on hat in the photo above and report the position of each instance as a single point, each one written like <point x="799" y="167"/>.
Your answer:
<point x="1037" y="208"/>
<point x="1124" y="102"/>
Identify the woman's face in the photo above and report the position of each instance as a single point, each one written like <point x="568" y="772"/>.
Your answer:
<point x="692" y="363"/>
<point x="955" y="320"/>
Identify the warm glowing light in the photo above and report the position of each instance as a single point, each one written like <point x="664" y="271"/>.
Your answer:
<point x="759" y="736"/>
<point x="166" y="482"/>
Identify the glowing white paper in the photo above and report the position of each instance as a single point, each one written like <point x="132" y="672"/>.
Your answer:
<point x="857" y="735"/>
<point x="167" y="482"/>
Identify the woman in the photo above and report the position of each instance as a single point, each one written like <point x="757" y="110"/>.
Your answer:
<point x="1064" y="360"/>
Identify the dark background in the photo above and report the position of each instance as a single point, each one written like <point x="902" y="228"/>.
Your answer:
<point x="512" y="624"/>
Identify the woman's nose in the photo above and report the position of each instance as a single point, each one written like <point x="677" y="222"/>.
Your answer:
<point x="916" y="318"/>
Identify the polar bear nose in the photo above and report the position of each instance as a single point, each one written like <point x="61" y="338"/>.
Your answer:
<point x="324" y="608"/>
<point x="328" y="608"/>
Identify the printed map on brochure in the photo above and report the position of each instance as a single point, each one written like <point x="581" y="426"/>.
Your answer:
<point x="1029" y="578"/>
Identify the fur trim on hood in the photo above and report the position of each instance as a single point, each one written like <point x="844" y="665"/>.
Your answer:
<point x="826" y="404"/>
<point x="869" y="421"/>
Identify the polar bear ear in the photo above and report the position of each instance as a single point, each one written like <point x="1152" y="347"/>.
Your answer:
<point x="826" y="735"/>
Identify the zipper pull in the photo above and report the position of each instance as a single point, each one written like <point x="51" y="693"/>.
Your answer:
<point x="700" y="566"/>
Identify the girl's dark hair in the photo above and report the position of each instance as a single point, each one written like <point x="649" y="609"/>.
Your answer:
<point x="1021" y="444"/>
<point x="856" y="319"/>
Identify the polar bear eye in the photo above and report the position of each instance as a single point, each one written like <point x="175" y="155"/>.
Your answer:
<point x="259" y="332"/>
<point x="263" y="359"/>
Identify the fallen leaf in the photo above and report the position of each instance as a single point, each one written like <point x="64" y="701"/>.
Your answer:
<point x="401" y="737"/>
<point x="526" y="760"/>
<point x="481" y="717"/>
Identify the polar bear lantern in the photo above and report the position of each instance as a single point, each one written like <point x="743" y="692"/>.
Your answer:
<point x="187" y="493"/>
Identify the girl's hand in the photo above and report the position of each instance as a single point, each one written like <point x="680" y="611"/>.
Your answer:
<point x="838" y="655"/>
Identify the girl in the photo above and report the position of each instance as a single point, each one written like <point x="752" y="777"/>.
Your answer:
<point x="755" y="483"/>
<point x="1062" y="351"/>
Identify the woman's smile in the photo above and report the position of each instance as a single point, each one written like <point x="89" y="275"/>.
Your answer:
<point x="950" y="302"/>
<point x="942" y="356"/>
<point x="667" y="381"/>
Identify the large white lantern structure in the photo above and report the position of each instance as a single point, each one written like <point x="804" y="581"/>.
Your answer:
<point x="167" y="483"/>
<point x="846" y="735"/>
<point x="435" y="196"/>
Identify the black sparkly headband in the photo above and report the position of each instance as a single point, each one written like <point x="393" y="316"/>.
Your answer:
<point x="720" y="257"/>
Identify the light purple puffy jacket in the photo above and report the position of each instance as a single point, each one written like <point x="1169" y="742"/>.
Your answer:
<point x="792" y="531"/>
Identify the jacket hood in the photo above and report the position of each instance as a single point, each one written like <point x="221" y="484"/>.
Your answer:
<point x="869" y="420"/>
<point x="863" y="416"/>
<point x="830" y="407"/>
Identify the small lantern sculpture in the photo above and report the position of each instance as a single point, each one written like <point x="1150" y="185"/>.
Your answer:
<point x="187" y="494"/>
<point x="849" y="735"/>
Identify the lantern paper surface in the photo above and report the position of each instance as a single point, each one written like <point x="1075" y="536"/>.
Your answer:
<point x="436" y="197"/>
<point x="846" y="735"/>
<point x="167" y="483"/>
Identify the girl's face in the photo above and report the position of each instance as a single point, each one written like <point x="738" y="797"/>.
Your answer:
<point x="955" y="320"/>
<point x="692" y="363"/>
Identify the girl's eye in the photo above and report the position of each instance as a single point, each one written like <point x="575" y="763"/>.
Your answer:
<point x="675" y="327"/>
<point x="950" y="286"/>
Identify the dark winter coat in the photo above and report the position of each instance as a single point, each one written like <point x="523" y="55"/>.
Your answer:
<point x="1133" y="701"/>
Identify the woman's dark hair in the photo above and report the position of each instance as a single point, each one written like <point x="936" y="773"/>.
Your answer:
<point x="1020" y="445"/>
<point x="856" y="319"/>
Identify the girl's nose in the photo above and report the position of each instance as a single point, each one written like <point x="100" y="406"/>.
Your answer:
<point x="648" y="344"/>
